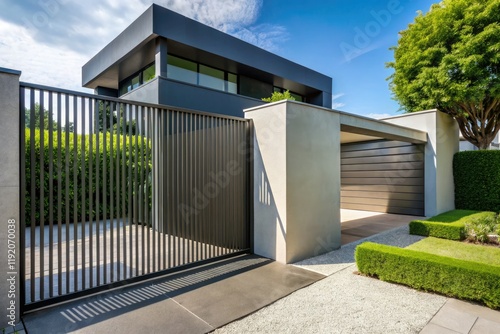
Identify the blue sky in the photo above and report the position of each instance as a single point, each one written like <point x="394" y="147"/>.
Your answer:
<point x="325" y="35"/>
<point x="50" y="40"/>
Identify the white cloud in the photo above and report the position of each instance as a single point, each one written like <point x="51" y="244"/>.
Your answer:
<point x="266" y="36"/>
<point x="39" y="63"/>
<point x="235" y="17"/>
<point x="50" y="40"/>
<point x="337" y="104"/>
<point x="225" y="15"/>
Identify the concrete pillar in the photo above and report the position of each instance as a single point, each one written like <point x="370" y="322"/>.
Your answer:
<point x="296" y="180"/>
<point x="443" y="143"/>
<point x="161" y="58"/>
<point x="9" y="198"/>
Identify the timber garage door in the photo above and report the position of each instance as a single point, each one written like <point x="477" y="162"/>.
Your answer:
<point x="383" y="176"/>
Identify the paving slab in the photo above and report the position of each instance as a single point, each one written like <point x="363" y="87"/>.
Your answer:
<point x="193" y="301"/>
<point x="436" y="329"/>
<point x="243" y="294"/>
<point x="474" y="309"/>
<point x="483" y="326"/>
<point x="459" y="316"/>
<point x="456" y="320"/>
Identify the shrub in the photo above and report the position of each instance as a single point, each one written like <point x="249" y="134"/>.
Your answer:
<point x="477" y="180"/>
<point x="279" y="96"/>
<point x="457" y="278"/>
<point x="451" y="225"/>
<point x="70" y="168"/>
<point x="480" y="226"/>
<point x="451" y="231"/>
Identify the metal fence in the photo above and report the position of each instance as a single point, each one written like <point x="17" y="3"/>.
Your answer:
<point x="116" y="191"/>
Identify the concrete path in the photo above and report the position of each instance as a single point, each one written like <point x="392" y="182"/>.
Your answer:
<point x="357" y="225"/>
<point x="194" y="301"/>
<point x="457" y="316"/>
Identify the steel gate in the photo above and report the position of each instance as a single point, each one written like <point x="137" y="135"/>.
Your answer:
<point x="116" y="191"/>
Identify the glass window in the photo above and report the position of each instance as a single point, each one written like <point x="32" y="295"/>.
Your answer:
<point x="232" y="83"/>
<point x="135" y="82"/>
<point x="124" y="87"/>
<point x="297" y="97"/>
<point x="254" y="88"/>
<point x="148" y="74"/>
<point x="182" y="70"/>
<point x="278" y="90"/>
<point x="212" y="78"/>
<point x="137" y="79"/>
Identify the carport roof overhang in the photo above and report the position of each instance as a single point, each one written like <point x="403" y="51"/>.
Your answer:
<point x="367" y="128"/>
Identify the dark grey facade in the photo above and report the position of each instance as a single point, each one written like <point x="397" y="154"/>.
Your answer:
<point x="166" y="58"/>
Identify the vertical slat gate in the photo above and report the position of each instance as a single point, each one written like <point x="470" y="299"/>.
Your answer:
<point x="117" y="191"/>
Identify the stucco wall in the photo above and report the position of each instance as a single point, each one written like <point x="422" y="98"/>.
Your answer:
<point x="296" y="181"/>
<point x="9" y="194"/>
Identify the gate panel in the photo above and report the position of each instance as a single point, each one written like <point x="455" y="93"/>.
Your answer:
<point x="118" y="191"/>
<point x="383" y="176"/>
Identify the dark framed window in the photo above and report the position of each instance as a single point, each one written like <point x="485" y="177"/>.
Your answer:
<point x="182" y="69"/>
<point x="146" y="74"/>
<point x="211" y="77"/>
<point x="194" y="73"/>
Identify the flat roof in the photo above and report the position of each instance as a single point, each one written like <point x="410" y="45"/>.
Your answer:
<point x="362" y="127"/>
<point x="104" y="68"/>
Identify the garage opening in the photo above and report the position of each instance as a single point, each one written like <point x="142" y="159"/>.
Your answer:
<point x="383" y="176"/>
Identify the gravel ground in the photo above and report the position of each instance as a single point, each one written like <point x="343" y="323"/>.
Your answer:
<point x="344" y="302"/>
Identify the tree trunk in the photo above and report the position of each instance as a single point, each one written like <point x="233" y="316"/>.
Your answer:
<point x="479" y="123"/>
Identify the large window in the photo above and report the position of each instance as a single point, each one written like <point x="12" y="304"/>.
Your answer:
<point x="139" y="78"/>
<point x="182" y="70"/>
<point x="232" y="83"/>
<point x="203" y="75"/>
<point x="255" y="88"/>
<point x="212" y="78"/>
<point x="198" y="74"/>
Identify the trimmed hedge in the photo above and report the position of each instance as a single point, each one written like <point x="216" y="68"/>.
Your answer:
<point x="450" y="231"/>
<point x="477" y="180"/>
<point x="75" y="176"/>
<point x="449" y="225"/>
<point x="457" y="278"/>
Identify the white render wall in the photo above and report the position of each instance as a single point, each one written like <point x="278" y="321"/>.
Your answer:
<point x="443" y="143"/>
<point x="9" y="197"/>
<point x="297" y="172"/>
<point x="296" y="181"/>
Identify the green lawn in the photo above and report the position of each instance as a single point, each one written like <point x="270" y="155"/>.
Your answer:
<point x="459" y="250"/>
<point x="453" y="216"/>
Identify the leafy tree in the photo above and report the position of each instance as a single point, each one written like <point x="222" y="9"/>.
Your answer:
<point x="106" y="118"/>
<point x="278" y="96"/>
<point x="46" y="121"/>
<point x="449" y="59"/>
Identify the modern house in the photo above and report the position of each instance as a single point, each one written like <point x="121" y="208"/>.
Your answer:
<point x="166" y="58"/>
<point x="272" y="183"/>
<point x="389" y="165"/>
